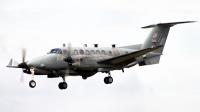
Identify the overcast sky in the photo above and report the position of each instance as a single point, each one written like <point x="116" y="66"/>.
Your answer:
<point x="40" y="25"/>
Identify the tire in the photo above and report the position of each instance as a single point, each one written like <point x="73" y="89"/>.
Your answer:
<point x="32" y="83"/>
<point x="84" y="77"/>
<point x="60" y="85"/>
<point x="110" y="80"/>
<point x="64" y="85"/>
<point x="106" y="80"/>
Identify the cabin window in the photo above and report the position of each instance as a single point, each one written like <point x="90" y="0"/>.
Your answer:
<point x="126" y="52"/>
<point x="75" y="52"/>
<point x="81" y="51"/>
<point x="87" y="52"/>
<point x="103" y="52"/>
<point x="98" y="52"/>
<point x="92" y="52"/>
<point x="110" y="53"/>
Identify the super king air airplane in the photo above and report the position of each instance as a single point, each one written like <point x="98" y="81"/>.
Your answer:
<point x="87" y="61"/>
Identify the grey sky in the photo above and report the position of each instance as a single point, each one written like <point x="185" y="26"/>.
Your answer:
<point x="39" y="25"/>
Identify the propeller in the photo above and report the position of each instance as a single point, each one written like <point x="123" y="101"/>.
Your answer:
<point x="23" y="65"/>
<point x="68" y="59"/>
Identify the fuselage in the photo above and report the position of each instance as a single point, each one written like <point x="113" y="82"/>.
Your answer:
<point x="85" y="59"/>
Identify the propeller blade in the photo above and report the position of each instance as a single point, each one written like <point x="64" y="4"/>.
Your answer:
<point x="79" y="62"/>
<point x="67" y="72"/>
<point x="23" y="54"/>
<point x="69" y="49"/>
<point x="22" y="77"/>
<point x="68" y="58"/>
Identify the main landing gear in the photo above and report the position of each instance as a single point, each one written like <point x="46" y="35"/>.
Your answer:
<point x="109" y="79"/>
<point x="32" y="83"/>
<point x="63" y="85"/>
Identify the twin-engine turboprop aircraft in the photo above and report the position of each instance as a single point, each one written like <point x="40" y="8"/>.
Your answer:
<point x="87" y="61"/>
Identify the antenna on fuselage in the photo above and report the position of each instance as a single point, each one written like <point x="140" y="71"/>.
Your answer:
<point x="84" y="45"/>
<point x="113" y="45"/>
<point x="95" y="45"/>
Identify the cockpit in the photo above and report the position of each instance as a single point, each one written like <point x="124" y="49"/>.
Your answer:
<point x="55" y="51"/>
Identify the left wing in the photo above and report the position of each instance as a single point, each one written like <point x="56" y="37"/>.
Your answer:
<point x="126" y="57"/>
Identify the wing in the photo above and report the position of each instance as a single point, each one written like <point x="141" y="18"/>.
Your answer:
<point x="127" y="57"/>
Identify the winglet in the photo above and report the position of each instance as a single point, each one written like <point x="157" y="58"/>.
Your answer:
<point x="168" y="24"/>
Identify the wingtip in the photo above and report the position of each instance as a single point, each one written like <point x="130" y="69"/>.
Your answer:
<point x="193" y="21"/>
<point x="169" y="24"/>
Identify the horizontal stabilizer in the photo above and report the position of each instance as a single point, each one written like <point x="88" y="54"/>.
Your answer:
<point x="13" y="64"/>
<point x="167" y="24"/>
<point x="125" y="57"/>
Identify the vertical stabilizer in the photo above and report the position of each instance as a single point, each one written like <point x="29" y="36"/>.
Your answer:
<point x="157" y="36"/>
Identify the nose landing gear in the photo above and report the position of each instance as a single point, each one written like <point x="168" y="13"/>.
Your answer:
<point x="32" y="83"/>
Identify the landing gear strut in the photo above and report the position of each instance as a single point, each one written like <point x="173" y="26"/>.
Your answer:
<point x="63" y="85"/>
<point x="32" y="83"/>
<point x="109" y="79"/>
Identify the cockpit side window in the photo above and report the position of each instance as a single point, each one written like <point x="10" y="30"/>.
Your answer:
<point x="56" y="51"/>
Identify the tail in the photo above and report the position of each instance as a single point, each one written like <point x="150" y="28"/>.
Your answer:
<point x="157" y="36"/>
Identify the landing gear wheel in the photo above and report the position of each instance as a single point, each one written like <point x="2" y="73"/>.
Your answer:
<point x="84" y="77"/>
<point x="62" y="85"/>
<point x="32" y="83"/>
<point x="108" y="80"/>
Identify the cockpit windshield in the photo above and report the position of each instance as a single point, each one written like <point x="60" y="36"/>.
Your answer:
<point x="55" y="51"/>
